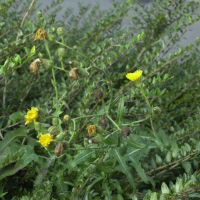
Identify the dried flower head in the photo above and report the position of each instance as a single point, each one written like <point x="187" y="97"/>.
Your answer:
<point x="45" y="139"/>
<point x="98" y="94"/>
<point x="125" y="131"/>
<point x="91" y="130"/>
<point x="134" y="76"/>
<point x="103" y="123"/>
<point x="59" y="149"/>
<point x="73" y="74"/>
<point x="32" y="115"/>
<point x="34" y="67"/>
<point x="40" y="34"/>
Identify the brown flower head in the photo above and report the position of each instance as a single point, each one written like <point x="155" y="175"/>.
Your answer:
<point x="91" y="130"/>
<point x="40" y="34"/>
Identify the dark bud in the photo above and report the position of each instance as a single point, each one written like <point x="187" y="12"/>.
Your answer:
<point x="125" y="131"/>
<point x="102" y="123"/>
<point x="59" y="149"/>
<point x="98" y="94"/>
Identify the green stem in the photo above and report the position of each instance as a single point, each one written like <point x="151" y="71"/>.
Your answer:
<point x="74" y="51"/>
<point x="113" y="122"/>
<point x="54" y="79"/>
<point x="60" y="69"/>
<point x="109" y="85"/>
<point x="103" y="105"/>
<point x="62" y="64"/>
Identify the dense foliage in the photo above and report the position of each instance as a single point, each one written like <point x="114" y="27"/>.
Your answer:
<point x="74" y="126"/>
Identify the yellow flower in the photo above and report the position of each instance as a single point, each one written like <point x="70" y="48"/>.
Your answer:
<point x="91" y="130"/>
<point x="32" y="115"/>
<point x="40" y="34"/>
<point x="134" y="76"/>
<point x="45" y="139"/>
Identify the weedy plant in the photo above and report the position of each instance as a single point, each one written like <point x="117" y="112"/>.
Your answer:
<point x="92" y="110"/>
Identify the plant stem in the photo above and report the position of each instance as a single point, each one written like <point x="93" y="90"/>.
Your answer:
<point x="113" y="122"/>
<point x="74" y="51"/>
<point x="54" y="79"/>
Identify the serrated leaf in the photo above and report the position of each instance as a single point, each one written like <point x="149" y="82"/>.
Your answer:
<point x="187" y="166"/>
<point x="81" y="158"/>
<point x="123" y="167"/>
<point x="120" y="110"/>
<point x="153" y="196"/>
<point x="9" y="137"/>
<point x="164" y="188"/>
<point x="16" y="116"/>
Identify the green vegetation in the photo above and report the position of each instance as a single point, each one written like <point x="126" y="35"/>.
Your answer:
<point x="91" y="133"/>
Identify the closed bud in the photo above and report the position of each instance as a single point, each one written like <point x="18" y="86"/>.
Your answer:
<point x="157" y="111"/>
<point x="125" y="131"/>
<point x="47" y="63"/>
<point x="98" y="94"/>
<point x="41" y="115"/>
<point x="39" y="15"/>
<point x="74" y="63"/>
<point x="96" y="140"/>
<point x="51" y="38"/>
<point x="61" y="31"/>
<point x="55" y="121"/>
<point x="66" y="119"/>
<point x="61" y="135"/>
<point x="59" y="149"/>
<point x="52" y="30"/>
<point x="61" y="52"/>
<point x="102" y="123"/>
<point x="54" y="130"/>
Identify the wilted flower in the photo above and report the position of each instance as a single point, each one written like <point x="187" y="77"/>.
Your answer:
<point x="134" y="76"/>
<point x="45" y="139"/>
<point x="98" y="94"/>
<point x="125" y="131"/>
<point x="59" y="149"/>
<point x="32" y="115"/>
<point x="91" y="130"/>
<point x="40" y="34"/>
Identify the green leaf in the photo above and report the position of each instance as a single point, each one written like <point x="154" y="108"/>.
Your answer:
<point x="164" y="188"/>
<point x="123" y="167"/>
<point x="33" y="50"/>
<point x="115" y="101"/>
<point x="120" y="111"/>
<point x="81" y="158"/>
<point x="187" y="166"/>
<point x="6" y="65"/>
<point x="119" y="197"/>
<point x="16" y="116"/>
<point x="9" y="137"/>
<point x="154" y="196"/>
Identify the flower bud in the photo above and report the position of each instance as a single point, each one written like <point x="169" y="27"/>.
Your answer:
<point x="52" y="30"/>
<point x="61" y="31"/>
<point x="54" y="130"/>
<point x="67" y="119"/>
<point x="96" y="140"/>
<point x="61" y="135"/>
<point x="98" y="94"/>
<point x="39" y="15"/>
<point x="51" y="38"/>
<point x="55" y="121"/>
<point x="41" y="115"/>
<point x="61" y="52"/>
<point x="102" y="123"/>
<point x="125" y="131"/>
<point x="47" y="63"/>
<point x="59" y="149"/>
<point x="34" y="67"/>
<point x="74" y="63"/>
<point x="157" y="111"/>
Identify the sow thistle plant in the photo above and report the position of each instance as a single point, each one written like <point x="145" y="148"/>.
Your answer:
<point x="100" y="112"/>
